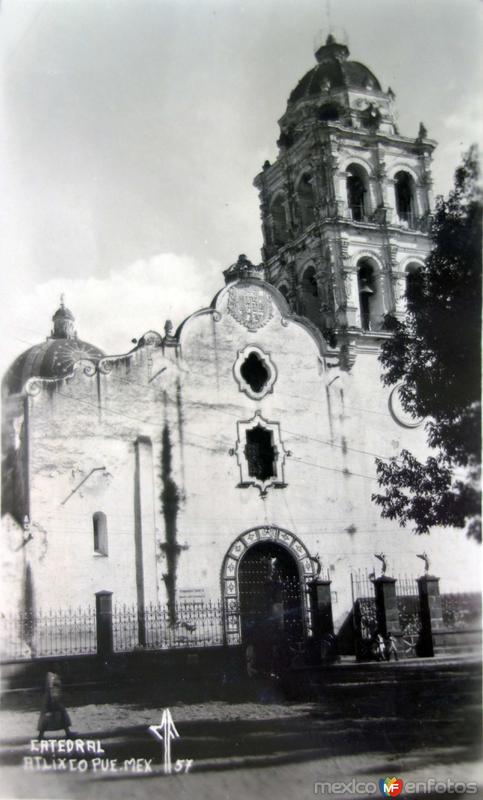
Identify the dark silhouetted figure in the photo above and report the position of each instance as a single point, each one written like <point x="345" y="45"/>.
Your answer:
<point x="54" y="715"/>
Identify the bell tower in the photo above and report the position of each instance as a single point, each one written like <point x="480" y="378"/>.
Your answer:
<point x="346" y="206"/>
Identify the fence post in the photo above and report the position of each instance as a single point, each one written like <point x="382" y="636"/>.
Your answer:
<point x="386" y="605"/>
<point x="104" y="625"/>
<point x="142" y="625"/>
<point x="431" y="612"/>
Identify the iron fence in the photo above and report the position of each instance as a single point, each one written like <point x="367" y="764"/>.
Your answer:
<point x="365" y="612"/>
<point x="362" y="585"/>
<point x="409" y="612"/>
<point x="461" y="611"/>
<point x="365" y="617"/>
<point x="54" y="632"/>
<point x="188" y="624"/>
<point x="73" y="631"/>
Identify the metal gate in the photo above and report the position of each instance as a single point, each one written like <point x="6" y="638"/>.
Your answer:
<point x="365" y="615"/>
<point x="270" y="599"/>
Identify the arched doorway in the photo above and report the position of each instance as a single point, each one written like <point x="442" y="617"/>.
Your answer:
<point x="274" y="581"/>
<point x="270" y="596"/>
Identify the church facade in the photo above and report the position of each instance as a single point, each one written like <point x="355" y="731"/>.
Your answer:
<point x="243" y="444"/>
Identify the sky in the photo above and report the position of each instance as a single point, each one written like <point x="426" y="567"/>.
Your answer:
<point x="131" y="132"/>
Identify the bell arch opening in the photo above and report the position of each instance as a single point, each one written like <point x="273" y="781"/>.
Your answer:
<point x="371" y="296"/>
<point x="306" y="199"/>
<point x="405" y="192"/>
<point x="413" y="281"/>
<point x="280" y="232"/>
<point x="357" y="184"/>
<point x="309" y="300"/>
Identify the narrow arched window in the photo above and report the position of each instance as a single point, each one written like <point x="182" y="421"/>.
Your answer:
<point x="357" y="192"/>
<point x="279" y="221"/>
<point x="404" y="190"/>
<point x="413" y="278"/>
<point x="306" y="199"/>
<point x="99" y="529"/>
<point x="367" y="293"/>
<point x="309" y="283"/>
<point x="309" y="303"/>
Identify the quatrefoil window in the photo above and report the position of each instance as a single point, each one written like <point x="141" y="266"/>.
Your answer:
<point x="254" y="372"/>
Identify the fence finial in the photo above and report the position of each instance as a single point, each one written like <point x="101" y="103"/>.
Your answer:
<point x="424" y="557"/>
<point x="382" y="558"/>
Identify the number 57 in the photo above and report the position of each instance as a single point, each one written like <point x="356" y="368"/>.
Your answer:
<point x="183" y="764"/>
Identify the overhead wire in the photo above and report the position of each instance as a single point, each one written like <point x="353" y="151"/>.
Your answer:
<point x="237" y="417"/>
<point x="342" y="446"/>
<point x="347" y="472"/>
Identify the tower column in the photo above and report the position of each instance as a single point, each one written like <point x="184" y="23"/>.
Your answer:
<point x="340" y="192"/>
<point x="352" y="297"/>
<point x="390" y="193"/>
<point x="373" y="192"/>
<point x="399" y="290"/>
<point x="386" y="289"/>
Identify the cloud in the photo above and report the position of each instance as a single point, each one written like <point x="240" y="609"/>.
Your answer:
<point x="462" y="127"/>
<point x="110" y="311"/>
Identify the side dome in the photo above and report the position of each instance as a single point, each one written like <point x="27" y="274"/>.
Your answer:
<point x="333" y="72"/>
<point x="54" y="358"/>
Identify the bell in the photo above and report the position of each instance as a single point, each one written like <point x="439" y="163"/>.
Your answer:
<point x="365" y="288"/>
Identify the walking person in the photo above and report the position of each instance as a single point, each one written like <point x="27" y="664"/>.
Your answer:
<point x="390" y="647"/>
<point x="54" y="715"/>
<point x="378" y="647"/>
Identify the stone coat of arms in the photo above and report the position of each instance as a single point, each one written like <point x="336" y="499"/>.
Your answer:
<point x="250" y="307"/>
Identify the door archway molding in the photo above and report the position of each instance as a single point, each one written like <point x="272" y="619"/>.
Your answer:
<point x="229" y="574"/>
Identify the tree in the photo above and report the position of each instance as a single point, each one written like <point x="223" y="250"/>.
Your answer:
<point x="434" y="355"/>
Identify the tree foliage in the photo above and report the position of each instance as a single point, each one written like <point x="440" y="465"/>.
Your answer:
<point x="435" y="356"/>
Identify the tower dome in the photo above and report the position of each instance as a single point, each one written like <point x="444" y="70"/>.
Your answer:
<point x="345" y="204"/>
<point x="334" y="72"/>
<point x="54" y="358"/>
<point x="337" y="91"/>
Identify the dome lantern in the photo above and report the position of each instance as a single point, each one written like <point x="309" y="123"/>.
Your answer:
<point x="63" y="320"/>
<point x="332" y="51"/>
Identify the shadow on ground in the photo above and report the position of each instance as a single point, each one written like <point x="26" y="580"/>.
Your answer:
<point x="433" y="717"/>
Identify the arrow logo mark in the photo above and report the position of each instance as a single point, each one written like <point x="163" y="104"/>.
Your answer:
<point x="165" y="732"/>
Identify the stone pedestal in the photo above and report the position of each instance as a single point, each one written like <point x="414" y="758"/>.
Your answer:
<point x="104" y="625"/>
<point x="386" y="605"/>
<point x="431" y="612"/>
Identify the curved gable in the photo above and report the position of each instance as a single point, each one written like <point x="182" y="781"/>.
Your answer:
<point x="251" y="307"/>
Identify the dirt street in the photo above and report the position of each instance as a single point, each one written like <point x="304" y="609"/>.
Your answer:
<point x="418" y="726"/>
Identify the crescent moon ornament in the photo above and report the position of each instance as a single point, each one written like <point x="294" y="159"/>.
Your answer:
<point x="399" y="413"/>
